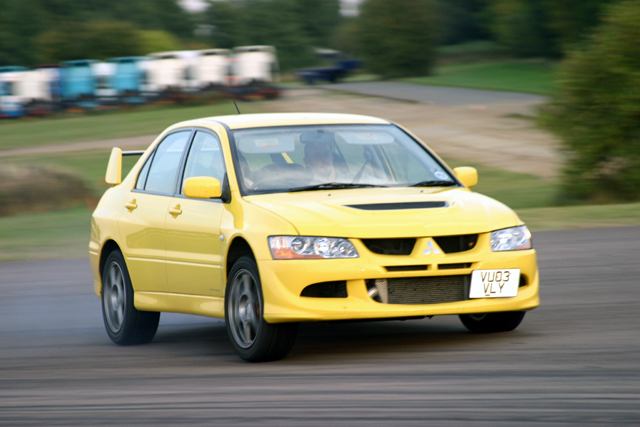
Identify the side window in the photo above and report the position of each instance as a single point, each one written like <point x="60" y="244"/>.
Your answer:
<point x="165" y="163"/>
<point x="144" y="173"/>
<point x="205" y="158"/>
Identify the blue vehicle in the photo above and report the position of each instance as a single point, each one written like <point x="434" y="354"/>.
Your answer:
<point x="78" y="83"/>
<point x="129" y="78"/>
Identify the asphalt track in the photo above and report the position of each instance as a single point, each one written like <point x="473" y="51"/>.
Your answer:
<point x="573" y="361"/>
<point x="440" y="95"/>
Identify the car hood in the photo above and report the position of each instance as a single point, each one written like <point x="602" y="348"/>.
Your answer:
<point x="388" y="212"/>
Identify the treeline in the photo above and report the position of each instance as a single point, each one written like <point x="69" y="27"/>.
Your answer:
<point x="395" y="37"/>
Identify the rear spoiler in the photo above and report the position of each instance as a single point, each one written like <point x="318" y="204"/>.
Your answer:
<point x="114" y="167"/>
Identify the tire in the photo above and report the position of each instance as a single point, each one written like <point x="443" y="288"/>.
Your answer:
<point x="125" y="324"/>
<point x="492" y="322"/>
<point x="253" y="339"/>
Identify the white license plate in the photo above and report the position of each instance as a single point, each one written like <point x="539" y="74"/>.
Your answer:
<point x="494" y="283"/>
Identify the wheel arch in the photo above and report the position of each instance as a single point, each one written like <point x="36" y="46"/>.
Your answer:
<point x="239" y="247"/>
<point x="108" y="247"/>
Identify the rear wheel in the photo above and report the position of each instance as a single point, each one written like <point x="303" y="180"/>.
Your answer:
<point x="492" y="322"/>
<point x="252" y="337"/>
<point x="124" y="323"/>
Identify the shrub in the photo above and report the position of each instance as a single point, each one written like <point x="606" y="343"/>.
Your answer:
<point x="39" y="189"/>
<point x="596" y="113"/>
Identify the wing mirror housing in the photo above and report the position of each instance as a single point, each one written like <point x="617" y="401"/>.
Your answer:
<point x="114" y="167"/>
<point x="468" y="176"/>
<point x="202" y="187"/>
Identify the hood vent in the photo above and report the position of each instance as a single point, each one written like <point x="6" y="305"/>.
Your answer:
<point x="399" y="206"/>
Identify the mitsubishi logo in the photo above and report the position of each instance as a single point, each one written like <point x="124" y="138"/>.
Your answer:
<point x="431" y="249"/>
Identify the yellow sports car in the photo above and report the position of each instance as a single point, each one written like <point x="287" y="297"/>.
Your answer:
<point x="269" y="220"/>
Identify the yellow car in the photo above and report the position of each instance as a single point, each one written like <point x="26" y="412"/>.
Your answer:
<point x="269" y="220"/>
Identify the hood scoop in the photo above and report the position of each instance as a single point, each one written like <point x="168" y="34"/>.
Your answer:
<point x="399" y="206"/>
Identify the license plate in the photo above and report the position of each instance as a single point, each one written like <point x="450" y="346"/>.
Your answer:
<point x="494" y="283"/>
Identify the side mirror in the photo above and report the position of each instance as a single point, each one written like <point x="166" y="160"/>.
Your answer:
<point x="114" y="167"/>
<point x="202" y="187"/>
<point x="468" y="176"/>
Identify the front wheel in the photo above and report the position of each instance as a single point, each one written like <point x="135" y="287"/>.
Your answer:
<point x="125" y="324"/>
<point x="252" y="337"/>
<point x="492" y="322"/>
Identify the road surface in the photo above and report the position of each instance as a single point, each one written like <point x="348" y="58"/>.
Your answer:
<point x="573" y="361"/>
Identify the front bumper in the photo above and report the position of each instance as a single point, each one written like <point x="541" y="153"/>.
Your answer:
<point x="283" y="281"/>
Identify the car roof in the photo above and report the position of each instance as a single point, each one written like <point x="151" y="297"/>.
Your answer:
<point x="243" y="121"/>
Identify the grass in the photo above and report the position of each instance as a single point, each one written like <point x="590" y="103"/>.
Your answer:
<point x="557" y="218"/>
<point x="63" y="234"/>
<point x="516" y="190"/>
<point x="143" y="120"/>
<point x="535" y="77"/>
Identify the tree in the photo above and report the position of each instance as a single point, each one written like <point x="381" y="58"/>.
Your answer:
<point x="542" y="28"/>
<point x="397" y="37"/>
<point x="523" y="27"/>
<point x="263" y="22"/>
<point x="597" y="112"/>
<point x="90" y="40"/>
<point x="460" y="21"/>
<point x="19" y="21"/>
<point x="158" y="41"/>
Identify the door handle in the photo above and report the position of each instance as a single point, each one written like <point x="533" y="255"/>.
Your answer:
<point x="175" y="211"/>
<point x="131" y="205"/>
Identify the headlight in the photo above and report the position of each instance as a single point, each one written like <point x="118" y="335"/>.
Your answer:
<point x="289" y="247"/>
<point x="511" y="239"/>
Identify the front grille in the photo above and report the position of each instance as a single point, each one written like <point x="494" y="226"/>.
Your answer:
<point x="390" y="246"/>
<point x="453" y="244"/>
<point x="337" y="289"/>
<point x="419" y="290"/>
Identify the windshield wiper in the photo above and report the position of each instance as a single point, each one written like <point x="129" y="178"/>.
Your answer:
<point x="332" y="186"/>
<point x="435" y="183"/>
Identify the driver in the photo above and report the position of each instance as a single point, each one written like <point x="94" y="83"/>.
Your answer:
<point x="319" y="159"/>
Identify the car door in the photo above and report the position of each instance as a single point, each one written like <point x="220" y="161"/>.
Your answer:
<point x="142" y="220"/>
<point x="193" y="226"/>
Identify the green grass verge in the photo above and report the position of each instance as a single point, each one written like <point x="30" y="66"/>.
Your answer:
<point x="143" y="120"/>
<point x="53" y="235"/>
<point x="558" y="218"/>
<point x="516" y="190"/>
<point x="535" y="77"/>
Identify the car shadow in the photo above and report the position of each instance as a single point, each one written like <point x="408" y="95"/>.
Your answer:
<point x="338" y="340"/>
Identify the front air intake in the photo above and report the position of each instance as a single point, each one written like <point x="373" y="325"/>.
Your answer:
<point x="390" y="246"/>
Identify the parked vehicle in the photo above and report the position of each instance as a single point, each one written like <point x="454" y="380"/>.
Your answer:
<point x="246" y="72"/>
<point x="78" y="83"/>
<point x="342" y="66"/>
<point x="129" y="78"/>
<point x="255" y="65"/>
<point x="11" y="103"/>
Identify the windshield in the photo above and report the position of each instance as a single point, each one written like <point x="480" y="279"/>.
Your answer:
<point x="306" y="158"/>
